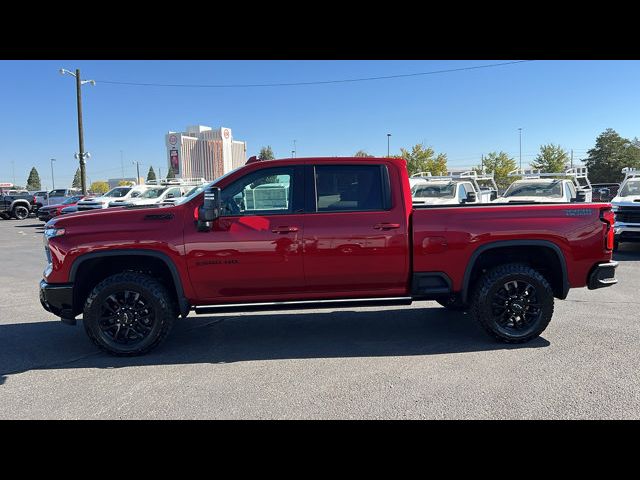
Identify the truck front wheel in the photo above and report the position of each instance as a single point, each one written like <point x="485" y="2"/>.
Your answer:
<point x="513" y="303"/>
<point x="20" y="212"/>
<point x="129" y="314"/>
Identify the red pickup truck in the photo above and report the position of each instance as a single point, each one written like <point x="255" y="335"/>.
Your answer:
<point x="317" y="233"/>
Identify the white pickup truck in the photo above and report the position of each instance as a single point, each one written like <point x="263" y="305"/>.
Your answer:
<point x="534" y="186"/>
<point x="162" y="191"/>
<point x="454" y="188"/>
<point x="626" y="206"/>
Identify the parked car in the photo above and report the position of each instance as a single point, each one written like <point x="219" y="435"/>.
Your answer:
<point x="626" y="206"/>
<point x="346" y="234"/>
<point x="604" y="192"/>
<point x="69" y="209"/>
<point x="16" y="205"/>
<point x="455" y="188"/>
<point x="122" y="194"/>
<point x="55" y="197"/>
<point x="151" y="196"/>
<point x="537" y="187"/>
<point x="47" y="213"/>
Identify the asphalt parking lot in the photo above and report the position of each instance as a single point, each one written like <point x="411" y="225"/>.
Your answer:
<point x="419" y="362"/>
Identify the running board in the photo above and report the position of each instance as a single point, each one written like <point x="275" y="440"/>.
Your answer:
<point x="299" y="305"/>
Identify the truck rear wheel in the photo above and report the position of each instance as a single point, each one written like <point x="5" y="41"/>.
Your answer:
<point x="513" y="303"/>
<point x="129" y="314"/>
<point x="20" y="212"/>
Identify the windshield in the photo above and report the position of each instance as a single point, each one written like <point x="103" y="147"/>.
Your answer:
<point x="197" y="190"/>
<point x="153" y="193"/>
<point x="551" y="189"/>
<point x="118" y="192"/>
<point x="443" y="190"/>
<point x="71" y="200"/>
<point x="632" y="187"/>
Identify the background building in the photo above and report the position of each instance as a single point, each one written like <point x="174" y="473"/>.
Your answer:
<point x="202" y="152"/>
<point x="114" y="182"/>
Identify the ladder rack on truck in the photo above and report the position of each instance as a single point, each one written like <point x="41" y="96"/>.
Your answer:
<point x="578" y="175"/>
<point x="471" y="175"/>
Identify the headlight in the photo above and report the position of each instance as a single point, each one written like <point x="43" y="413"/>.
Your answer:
<point x="614" y="207"/>
<point x="53" y="232"/>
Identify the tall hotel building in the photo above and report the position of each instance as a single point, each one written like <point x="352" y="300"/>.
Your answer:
<point x="202" y="152"/>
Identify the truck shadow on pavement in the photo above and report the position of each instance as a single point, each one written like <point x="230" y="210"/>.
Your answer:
<point x="228" y="338"/>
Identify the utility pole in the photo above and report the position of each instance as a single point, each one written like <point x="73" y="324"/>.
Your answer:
<point x="52" y="179"/>
<point x="83" y="170"/>
<point x="388" y="137"/>
<point x="520" y="130"/>
<point x="482" y="161"/>
<point x="572" y="158"/>
<point x="138" y="171"/>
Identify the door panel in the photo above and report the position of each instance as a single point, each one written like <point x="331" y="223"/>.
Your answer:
<point x="254" y="251"/>
<point x="362" y="249"/>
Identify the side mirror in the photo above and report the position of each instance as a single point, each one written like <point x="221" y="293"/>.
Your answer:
<point x="210" y="211"/>
<point x="471" y="197"/>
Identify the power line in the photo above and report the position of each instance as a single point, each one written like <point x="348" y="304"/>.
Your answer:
<point x="365" y="79"/>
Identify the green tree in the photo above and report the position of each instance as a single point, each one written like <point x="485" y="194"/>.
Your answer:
<point x="33" y="182"/>
<point x="125" y="183"/>
<point x="266" y="153"/>
<point x="362" y="153"/>
<point x="551" y="159"/>
<point x="609" y="156"/>
<point x="424" y="159"/>
<point x="500" y="164"/>
<point x="171" y="173"/>
<point x="99" y="187"/>
<point x="151" y="175"/>
<point x="77" y="181"/>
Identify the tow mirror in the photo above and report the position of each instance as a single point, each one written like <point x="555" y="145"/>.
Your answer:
<point x="471" y="197"/>
<point x="210" y="211"/>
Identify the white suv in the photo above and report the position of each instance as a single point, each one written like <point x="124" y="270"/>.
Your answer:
<point x="118" y="194"/>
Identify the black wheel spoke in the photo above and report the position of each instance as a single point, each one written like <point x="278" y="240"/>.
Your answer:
<point x="126" y="317"/>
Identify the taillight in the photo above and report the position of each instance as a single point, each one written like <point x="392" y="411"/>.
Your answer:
<point x="607" y="216"/>
<point x="195" y="214"/>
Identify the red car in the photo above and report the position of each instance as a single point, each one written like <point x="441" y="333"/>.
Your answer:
<point x="319" y="233"/>
<point x="47" y="213"/>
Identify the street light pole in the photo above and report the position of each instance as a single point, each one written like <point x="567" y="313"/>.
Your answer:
<point x="52" y="179"/>
<point x="388" y="137"/>
<point x="81" y="154"/>
<point x="520" y="130"/>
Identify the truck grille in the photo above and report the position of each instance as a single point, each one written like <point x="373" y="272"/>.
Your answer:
<point x="628" y="215"/>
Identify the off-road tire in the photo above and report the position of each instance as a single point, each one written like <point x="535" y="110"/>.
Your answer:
<point x="20" y="212"/>
<point x="491" y="282"/>
<point x="154" y="292"/>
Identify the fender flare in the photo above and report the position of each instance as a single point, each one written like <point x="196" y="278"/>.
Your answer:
<point x="183" y="303"/>
<point x="515" y="243"/>
<point x="20" y="201"/>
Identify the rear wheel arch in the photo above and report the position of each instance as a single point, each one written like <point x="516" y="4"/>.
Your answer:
<point x="115" y="261"/>
<point x="542" y="255"/>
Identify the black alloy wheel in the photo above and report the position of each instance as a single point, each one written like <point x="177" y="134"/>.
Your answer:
<point x="20" y="212"/>
<point x="126" y="318"/>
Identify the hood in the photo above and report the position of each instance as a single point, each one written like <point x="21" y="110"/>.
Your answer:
<point x="434" y="201"/>
<point x="628" y="201"/>
<point x="528" y="199"/>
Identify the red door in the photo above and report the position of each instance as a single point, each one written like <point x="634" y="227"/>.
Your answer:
<point x="355" y="236"/>
<point x="254" y="250"/>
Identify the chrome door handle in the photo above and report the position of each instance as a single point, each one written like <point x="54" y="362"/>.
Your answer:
<point x="386" y="226"/>
<point x="284" y="229"/>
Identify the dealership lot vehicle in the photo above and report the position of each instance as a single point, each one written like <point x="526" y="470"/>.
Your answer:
<point x="626" y="206"/>
<point x="55" y="197"/>
<point x="118" y="194"/>
<point x="454" y="188"/>
<point x="16" y="204"/>
<point x="419" y="361"/>
<point x="604" y="192"/>
<point x="47" y="213"/>
<point x="534" y="186"/>
<point x="302" y="232"/>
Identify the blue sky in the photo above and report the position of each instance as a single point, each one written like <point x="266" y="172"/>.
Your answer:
<point x="463" y="114"/>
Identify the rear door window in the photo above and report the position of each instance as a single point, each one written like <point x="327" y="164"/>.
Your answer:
<point x="349" y="188"/>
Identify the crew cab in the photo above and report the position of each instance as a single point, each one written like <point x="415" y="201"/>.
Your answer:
<point x="534" y="186"/>
<point x="626" y="206"/>
<point x="16" y="204"/>
<point x="453" y="188"/>
<point x="344" y="234"/>
<point x="118" y="194"/>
